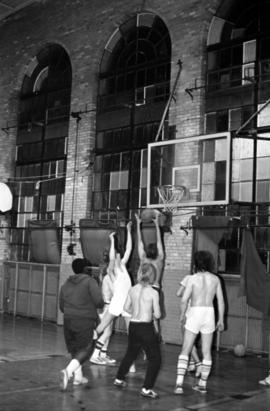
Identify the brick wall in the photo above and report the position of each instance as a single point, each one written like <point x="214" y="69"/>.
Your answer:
<point x="83" y="28"/>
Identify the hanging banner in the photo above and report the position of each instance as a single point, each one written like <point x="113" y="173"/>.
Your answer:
<point x="5" y="198"/>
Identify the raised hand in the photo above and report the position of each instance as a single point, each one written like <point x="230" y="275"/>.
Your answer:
<point x="112" y="235"/>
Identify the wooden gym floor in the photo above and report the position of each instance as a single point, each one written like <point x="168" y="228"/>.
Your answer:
<point x="32" y="354"/>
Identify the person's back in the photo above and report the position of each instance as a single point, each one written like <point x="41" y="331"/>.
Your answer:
<point x="143" y="301"/>
<point x="143" y="305"/>
<point x="80" y="296"/>
<point x="202" y="287"/>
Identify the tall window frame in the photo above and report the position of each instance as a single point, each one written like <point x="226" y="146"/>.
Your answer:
<point x="41" y="146"/>
<point x="134" y="86"/>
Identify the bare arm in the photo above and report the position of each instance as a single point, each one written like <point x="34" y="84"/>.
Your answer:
<point x="141" y="251"/>
<point x="221" y="307"/>
<point x="128" y="304"/>
<point x="159" y="242"/>
<point x="111" y="253"/>
<point x="180" y="291"/>
<point x="184" y="301"/>
<point x="182" y="286"/>
<point x="156" y="305"/>
<point x="128" y="245"/>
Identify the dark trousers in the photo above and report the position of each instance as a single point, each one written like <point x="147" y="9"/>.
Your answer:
<point x="78" y="333"/>
<point x="142" y="336"/>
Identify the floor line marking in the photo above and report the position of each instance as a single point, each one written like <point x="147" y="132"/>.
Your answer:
<point x="45" y="387"/>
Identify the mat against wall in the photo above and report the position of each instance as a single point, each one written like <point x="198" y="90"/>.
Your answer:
<point x="94" y="237"/>
<point x="43" y="238"/>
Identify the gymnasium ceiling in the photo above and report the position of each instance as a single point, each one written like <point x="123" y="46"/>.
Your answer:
<point x="8" y="7"/>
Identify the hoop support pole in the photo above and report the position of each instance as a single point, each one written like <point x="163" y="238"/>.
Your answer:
<point x="169" y="100"/>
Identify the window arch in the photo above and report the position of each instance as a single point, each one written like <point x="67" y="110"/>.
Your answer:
<point x="43" y="121"/>
<point x="237" y="99"/>
<point x="134" y="85"/>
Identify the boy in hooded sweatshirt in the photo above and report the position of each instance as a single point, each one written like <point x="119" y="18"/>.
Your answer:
<point x="80" y="296"/>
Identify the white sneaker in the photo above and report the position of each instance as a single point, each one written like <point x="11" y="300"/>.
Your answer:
<point x="265" y="382"/>
<point x="109" y="360"/>
<point x="98" y="360"/>
<point x="82" y="380"/>
<point x="178" y="390"/>
<point x="120" y="383"/>
<point x="148" y="393"/>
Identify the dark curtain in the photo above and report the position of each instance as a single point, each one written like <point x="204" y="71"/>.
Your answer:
<point x="255" y="281"/>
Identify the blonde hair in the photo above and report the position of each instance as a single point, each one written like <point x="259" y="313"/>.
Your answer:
<point x="148" y="273"/>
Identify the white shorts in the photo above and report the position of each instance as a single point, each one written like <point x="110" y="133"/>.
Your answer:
<point x="122" y="285"/>
<point x="200" y="319"/>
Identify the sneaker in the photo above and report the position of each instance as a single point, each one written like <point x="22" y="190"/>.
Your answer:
<point x="63" y="379"/>
<point x="98" y="360"/>
<point x="120" y="383"/>
<point x="132" y="368"/>
<point x="148" y="393"/>
<point x="265" y="382"/>
<point x="109" y="360"/>
<point x="82" y="380"/>
<point x="178" y="390"/>
<point x="202" y="390"/>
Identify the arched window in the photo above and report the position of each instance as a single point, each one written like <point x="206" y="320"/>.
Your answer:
<point x="238" y="100"/>
<point x="134" y="85"/>
<point x="43" y="121"/>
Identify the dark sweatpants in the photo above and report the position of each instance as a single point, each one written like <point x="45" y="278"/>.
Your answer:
<point x="142" y="336"/>
<point x="78" y="333"/>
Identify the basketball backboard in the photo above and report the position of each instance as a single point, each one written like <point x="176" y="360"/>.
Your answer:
<point x="201" y="164"/>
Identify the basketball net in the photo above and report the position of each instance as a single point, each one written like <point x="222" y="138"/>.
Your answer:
<point x="171" y="196"/>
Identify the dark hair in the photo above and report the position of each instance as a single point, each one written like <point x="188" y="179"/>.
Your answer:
<point x="148" y="273"/>
<point x="203" y="261"/>
<point x="151" y="251"/>
<point x="79" y="265"/>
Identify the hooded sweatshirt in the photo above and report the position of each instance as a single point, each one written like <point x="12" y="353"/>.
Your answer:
<point x="80" y="296"/>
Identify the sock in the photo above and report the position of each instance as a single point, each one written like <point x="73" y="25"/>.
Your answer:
<point x="72" y="367"/>
<point x="78" y="373"/>
<point x="181" y="369"/>
<point x="205" y="371"/>
<point x="103" y="353"/>
<point x="97" y="349"/>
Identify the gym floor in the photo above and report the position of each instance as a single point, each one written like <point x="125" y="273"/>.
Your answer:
<point x="32" y="354"/>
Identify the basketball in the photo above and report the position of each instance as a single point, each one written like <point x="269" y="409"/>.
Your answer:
<point x="239" y="350"/>
<point x="147" y="215"/>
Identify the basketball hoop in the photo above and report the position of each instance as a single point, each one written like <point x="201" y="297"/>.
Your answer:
<point x="171" y="196"/>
